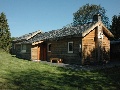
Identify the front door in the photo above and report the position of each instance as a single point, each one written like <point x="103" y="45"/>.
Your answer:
<point x="43" y="52"/>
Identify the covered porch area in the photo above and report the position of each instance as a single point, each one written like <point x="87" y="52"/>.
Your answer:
<point x="39" y="51"/>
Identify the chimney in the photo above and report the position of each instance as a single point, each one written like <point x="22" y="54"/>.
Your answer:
<point x="96" y="18"/>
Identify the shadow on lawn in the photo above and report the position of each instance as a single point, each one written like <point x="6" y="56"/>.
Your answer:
<point x="36" y="80"/>
<point x="113" y="74"/>
<point x="67" y="80"/>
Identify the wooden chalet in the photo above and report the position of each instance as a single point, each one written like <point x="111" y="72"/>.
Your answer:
<point x="80" y="44"/>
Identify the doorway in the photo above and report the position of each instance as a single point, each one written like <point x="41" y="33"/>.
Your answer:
<point x="43" y="52"/>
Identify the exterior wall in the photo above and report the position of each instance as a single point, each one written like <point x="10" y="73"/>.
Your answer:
<point x="115" y="51"/>
<point x="59" y="49"/>
<point x="106" y="48"/>
<point x="23" y="55"/>
<point x="13" y="51"/>
<point x="17" y="48"/>
<point x="106" y="43"/>
<point x="88" y="47"/>
<point x="92" y="52"/>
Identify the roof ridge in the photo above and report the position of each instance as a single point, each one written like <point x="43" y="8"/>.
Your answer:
<point x="28" y="36"/>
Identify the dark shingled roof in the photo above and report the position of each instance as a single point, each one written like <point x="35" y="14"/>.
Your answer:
<point x="27" y="36"/>
<point x="66" y="31"/>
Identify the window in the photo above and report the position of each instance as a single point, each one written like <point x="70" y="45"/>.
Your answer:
<point x="79" y="47"/>
<point x="49" y="47"/>
<point x="23" y="48"/>
<point x="70" y="47"/>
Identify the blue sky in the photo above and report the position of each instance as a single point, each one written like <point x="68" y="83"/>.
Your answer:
<point x="26" y="16"/>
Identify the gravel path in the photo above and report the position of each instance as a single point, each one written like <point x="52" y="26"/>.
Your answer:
<point x="85" y="67"/>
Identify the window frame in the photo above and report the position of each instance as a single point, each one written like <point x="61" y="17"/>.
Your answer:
<point x="69" y="51"/>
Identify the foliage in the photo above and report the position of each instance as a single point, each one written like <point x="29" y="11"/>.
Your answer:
<point x="18" y="74"/>
<point x="5" y="36"/>
<point x="13" y="38"/>
<point x="115" y="27"/>
<point x="86" y="12"/>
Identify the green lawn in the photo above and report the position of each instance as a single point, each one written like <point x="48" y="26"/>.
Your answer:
<point x="18" y="74"/>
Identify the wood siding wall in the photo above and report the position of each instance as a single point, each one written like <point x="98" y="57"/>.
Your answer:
<point x="106" y="48"/>
<point x="91" y="50"/>
<point x="59" y="49"/>
<point x="88" y="47"/>
<point x="106" y="43"/>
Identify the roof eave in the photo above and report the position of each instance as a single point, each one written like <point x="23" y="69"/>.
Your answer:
<point x="107" y="31"/>
<point x="95" y="25"/>
<point x="89" y="29"/>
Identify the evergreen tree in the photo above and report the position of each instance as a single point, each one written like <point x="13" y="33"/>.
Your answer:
<point x="5" y="36"/>
<point x="86" y="12"/>
<point x="115" y="27"/>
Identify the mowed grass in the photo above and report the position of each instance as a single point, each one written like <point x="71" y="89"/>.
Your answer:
<point x="19" y="74"/>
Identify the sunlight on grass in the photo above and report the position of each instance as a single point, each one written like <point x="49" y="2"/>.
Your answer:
<point x="27" y="75"/>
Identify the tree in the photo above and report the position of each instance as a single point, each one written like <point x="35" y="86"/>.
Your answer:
<point x="86" y="12"/>
<point x="115" y="27"/>
<point x="5" y="36"/>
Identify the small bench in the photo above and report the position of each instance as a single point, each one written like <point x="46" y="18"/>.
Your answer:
<point x="59" y="60"/>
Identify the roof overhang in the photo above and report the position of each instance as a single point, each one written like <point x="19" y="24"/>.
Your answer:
<point x="96" y="25"/>
<point x="37" y="42"/>
<point x="107" y="31"/>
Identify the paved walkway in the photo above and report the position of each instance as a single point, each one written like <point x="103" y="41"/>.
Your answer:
<point x="85" y="67"/>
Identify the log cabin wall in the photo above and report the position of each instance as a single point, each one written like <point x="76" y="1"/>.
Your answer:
<point x="106" y="43"/>
<point x="106" y="48"/>
<point x="13" y="49"/>
<point x="23" y="55"/>
<point x="27" y="54"/>
<point x="59" y="49"/>
<point x="88" y="47"/>
<point x="17" y="48"/>
<point x="91" y="49"/>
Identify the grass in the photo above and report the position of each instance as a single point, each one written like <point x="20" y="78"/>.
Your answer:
<point x="19" y="74"/>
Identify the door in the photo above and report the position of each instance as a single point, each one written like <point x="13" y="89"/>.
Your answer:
<point x="43" y="52"/>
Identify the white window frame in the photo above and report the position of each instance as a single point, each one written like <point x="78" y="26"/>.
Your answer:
<point x="68" y="47"/>
<point x="49" y="47"/>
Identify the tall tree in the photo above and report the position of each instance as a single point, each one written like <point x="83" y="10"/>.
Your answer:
<point x="115" y="27"/>
<point x="5" y="36"/>
<point x="86" y="12"/>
